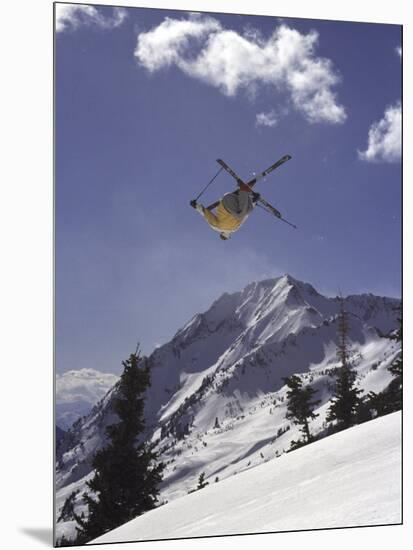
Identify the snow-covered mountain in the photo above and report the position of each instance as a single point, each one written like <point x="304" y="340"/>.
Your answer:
<point x="60" y="434"/>
<point x="217" y="399"/>
<point x="360" y="469"/>
<point x="77" y="391"/>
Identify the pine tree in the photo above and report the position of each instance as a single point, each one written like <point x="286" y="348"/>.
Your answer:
<point x="346" y="400"/>
<point x="201" y="481"/>
<point x="396" y="369"/>
<point x="300" y="406"/>
<point x="63" y="541"/>
<point x="391" y="399"/>
<point x="67" y="512"/>
<point x="126" y="478"/>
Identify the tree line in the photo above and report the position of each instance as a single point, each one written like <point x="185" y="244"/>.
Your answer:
<point x="348" y="406"/>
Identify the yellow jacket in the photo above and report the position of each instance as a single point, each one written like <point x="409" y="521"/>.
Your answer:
<point x="232" y="211"/>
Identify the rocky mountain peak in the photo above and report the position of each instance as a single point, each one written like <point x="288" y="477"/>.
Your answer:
<point x="228" y="363"/>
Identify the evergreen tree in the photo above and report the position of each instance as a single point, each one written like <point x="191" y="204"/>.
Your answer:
<point x="201" y="481"/>
<point x="63" y="541"/>
<point x="395" y="388"/>
<point x="67" y="512"/>
<point x="300" y="406"/>
<point x="127" y="475"/>
<point x="346" y="401"/>
<point x="391" y="399"/>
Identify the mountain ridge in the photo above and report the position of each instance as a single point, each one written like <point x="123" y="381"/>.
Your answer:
<point x="226" y="365"/>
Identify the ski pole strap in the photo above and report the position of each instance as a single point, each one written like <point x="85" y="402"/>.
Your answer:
<point x="206" y="187"/>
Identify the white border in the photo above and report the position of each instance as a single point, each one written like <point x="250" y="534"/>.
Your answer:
<point x="26" y="258"/>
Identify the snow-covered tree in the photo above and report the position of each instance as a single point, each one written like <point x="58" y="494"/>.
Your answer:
<point x="391" y="398"/>
<point x="67" y="512"/>
<point x="346" y="401"/>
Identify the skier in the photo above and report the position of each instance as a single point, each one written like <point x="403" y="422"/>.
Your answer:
<point x="232" y="211"/>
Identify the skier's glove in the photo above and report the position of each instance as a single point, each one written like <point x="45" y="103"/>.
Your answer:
<point x="198" y="207"/>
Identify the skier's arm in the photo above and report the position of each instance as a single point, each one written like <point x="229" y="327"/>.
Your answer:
<point x="206" y="212"/>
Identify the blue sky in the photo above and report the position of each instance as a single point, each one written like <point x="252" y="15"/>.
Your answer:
<point x="146" y="100"/>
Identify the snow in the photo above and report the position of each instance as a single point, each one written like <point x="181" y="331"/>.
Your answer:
<point x="189" y="383"/>
<point x="352" y="478"/>
<point x="228" y="363"/>
<point x="250" y="413"/>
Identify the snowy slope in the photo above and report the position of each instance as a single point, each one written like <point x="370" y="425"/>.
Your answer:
<point x="352" y="478"/>
<point x="217" y="399"/>
<point x="252" y="427"/>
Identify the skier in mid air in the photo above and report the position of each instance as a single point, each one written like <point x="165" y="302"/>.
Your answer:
<point x="231" y="212"/>
<point x="234" y="208"/>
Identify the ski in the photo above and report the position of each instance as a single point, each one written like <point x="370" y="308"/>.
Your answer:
<point x="270" y="207"/>
<point x="253" y="181"/>
<point x="271" y="210"/>
<point x="230" y="170"/>
<point x="258" y="177"/>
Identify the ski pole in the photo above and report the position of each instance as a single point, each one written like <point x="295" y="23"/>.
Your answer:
<point x="289" y="223"/>
<point x="206" y="187"/>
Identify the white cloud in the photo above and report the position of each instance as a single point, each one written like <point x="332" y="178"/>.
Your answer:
<point x="72" y="16"/>
<point x="399" y="51"/>
<point x="170" y="41"/>
<point x="87" y="385"/>
<point x="77" y="391"/>
<point x="266" y="119"/>
<point x="201" y="48"/>
<point x="384" y="139"/>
